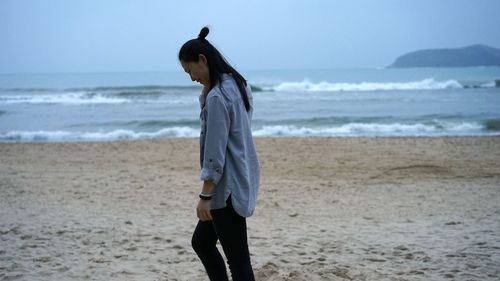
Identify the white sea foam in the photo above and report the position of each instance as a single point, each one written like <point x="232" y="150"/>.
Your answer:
<point x="119" y="134"/>
<point x="307" y="86"/>
<point x="350" y="129"/>
<point x="88" y="98"/>
<point x="66" y="98"/>
<point x="488" y="85"/>
<point x="466" y="127"/>
<point x="365" y="129"/>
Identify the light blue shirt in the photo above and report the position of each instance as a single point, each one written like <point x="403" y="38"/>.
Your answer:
<point x="227" y="152"/>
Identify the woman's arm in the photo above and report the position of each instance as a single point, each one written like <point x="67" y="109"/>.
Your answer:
<point x="216" y="138"/>
<point x="214" y="158"/>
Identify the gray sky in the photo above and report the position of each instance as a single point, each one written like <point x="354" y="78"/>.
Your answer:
<point x="143" y="35"/>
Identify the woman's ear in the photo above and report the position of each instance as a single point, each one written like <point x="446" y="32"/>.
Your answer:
<point x="202" y="59"/>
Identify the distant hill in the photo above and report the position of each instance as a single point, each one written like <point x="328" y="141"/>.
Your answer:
<point x="475" y="55"/>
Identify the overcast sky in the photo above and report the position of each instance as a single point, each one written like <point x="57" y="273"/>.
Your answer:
<point x="144" y="35"/>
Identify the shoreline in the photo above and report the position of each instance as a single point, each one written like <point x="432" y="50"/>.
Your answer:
<point x="335" y="208"/>
<point x="255" y="137"/>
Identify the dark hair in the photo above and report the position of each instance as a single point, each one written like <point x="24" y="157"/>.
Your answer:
<point x="217" y="64"/>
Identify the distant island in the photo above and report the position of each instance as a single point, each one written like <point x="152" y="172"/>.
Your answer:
<point x="475" y="55"/>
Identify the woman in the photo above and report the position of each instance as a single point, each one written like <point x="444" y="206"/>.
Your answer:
<point x="229" y="165"/>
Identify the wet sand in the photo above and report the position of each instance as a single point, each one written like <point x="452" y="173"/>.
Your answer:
<point x="329" y="209"/>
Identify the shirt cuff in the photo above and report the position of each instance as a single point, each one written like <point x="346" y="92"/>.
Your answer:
<point x="212" y="174"/>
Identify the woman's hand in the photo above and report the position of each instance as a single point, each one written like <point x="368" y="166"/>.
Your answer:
<point x="203" y="210"/>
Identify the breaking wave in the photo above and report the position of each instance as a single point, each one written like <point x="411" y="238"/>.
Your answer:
<point x="308" y="86"/>
<point x="490" y="127"/>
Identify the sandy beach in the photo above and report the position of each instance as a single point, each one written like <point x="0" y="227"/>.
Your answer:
<point x="328" y="209"/>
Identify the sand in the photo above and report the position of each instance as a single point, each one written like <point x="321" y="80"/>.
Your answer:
<point x="329" y="209"/>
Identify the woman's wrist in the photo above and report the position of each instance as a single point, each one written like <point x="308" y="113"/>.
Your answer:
<point x="208" y="187"/>
<point x="207" y="190"/>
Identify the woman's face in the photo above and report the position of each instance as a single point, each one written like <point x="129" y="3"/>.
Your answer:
<point x="198" y="71"/>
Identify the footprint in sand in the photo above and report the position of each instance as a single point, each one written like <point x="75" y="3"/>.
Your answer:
<point x="132" y="248"/>
<point x="268" y="271"/>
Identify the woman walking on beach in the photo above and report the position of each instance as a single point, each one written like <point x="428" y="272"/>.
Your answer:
<point x="229" y="164"/>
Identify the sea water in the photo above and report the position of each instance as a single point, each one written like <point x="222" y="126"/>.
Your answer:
<point x="335" y="102"/>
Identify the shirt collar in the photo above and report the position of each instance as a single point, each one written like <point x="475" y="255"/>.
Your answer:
<point x="202" y="98"/>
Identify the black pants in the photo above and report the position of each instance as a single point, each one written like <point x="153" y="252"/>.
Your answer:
<point x="231" y="229"/>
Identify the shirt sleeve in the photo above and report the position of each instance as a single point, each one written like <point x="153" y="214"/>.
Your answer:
<point x="216" y="136"/>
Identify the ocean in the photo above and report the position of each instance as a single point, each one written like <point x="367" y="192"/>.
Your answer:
<point x="335" y="102"/>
